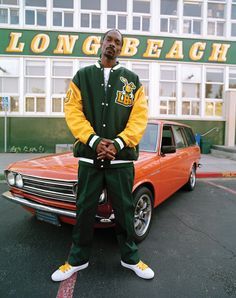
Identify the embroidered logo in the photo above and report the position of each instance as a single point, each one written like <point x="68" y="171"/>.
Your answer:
<point x="126" y="96"/>
<point x="68" y="95"/>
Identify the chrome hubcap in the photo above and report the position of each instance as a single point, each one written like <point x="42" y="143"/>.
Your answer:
<point x="193" y="177"/>
<point x="142" y="215"/>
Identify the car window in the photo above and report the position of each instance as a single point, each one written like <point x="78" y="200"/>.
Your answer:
<point x="189" y="136"/>
<point x="149" y="140"/>
<point x="167" y="136"/>
<point x="179" y="138"/>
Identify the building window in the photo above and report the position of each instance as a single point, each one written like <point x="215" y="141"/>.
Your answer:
<point x="9" y="12"/>
<point x="216" y="18"/>
<point x="36" y="12"/>
<point x="192" y="22"/>
<point x="119" y="19"/>
<point x="233" y="18"/>
<point x="169" y="20"/>
<point x="63" y="13"/>
<point x="233" y="29"/>
<point x="214" y="91"/>
<point x="232" y="78"/>
<point x="35" y="104"/>
<point x="89" y="18"/>
<point x="62" y="72"/>
<point x="35" y="78"/>
<point x="9" y="82"/>
<point x="191" y="99"/>
<point x="142" y="70"/>
<point x="168" y="90"/>
<point x="141" y="15"/>
<point x="191" y="90"/>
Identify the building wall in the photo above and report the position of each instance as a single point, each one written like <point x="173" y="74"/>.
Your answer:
<point x="34" y="134"/>
<point x="42" y="134"/>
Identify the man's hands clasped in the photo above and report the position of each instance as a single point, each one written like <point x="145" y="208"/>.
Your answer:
<point x="106" y="149"/>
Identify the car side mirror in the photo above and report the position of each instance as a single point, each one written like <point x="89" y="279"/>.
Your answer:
<point x="168" y="149"/>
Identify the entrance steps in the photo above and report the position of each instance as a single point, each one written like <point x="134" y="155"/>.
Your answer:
<point x="224" y="151"/>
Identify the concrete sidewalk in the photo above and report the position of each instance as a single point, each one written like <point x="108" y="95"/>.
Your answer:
<point x="211" y="166"/>
<point x="216" y="167"/>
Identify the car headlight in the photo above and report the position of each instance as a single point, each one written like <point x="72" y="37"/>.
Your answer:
<point x="11" y="178"/>
<point x="19" y="181"/>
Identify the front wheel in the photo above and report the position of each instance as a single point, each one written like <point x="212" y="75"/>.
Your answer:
<point x="190" y="185"/>
<point x="143" y="200"/>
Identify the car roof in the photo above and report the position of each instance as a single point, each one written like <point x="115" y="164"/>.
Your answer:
<point x="162" y="122"/>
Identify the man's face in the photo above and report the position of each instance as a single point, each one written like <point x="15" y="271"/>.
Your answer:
<point x="111" y="45"/>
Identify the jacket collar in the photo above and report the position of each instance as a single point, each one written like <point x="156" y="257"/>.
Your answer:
<point x="99" y="65"/>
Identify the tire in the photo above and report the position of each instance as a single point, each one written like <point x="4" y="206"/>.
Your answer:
<point x="143" y="201"/>
<point x="190" y="185"/>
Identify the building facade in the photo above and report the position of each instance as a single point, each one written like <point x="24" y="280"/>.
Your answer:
<point x="182" y="50"/>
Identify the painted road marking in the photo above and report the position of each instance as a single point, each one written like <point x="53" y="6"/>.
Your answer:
<point x="222" y="187"/>
<point x="67" y="286"/>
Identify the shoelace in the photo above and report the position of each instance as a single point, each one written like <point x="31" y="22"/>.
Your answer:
<point x="142" y="266"/>
<point x="65" y="267"/>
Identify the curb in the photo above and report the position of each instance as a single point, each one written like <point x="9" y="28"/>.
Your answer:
<point x="216" y="175"/>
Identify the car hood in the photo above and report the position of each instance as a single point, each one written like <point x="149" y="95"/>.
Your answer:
<point x="57" y="166"/>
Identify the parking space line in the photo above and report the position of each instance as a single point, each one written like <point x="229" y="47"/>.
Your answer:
<point x="222" y="187"/>
<point x="66" y="288"/>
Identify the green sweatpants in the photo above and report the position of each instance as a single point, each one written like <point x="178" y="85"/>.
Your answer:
<point x="118" y="183"/>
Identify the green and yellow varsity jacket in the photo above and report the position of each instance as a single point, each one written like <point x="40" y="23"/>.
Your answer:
<point x="119" y="113"/>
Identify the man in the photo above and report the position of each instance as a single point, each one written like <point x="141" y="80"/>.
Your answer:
<point x="106" y="111"/>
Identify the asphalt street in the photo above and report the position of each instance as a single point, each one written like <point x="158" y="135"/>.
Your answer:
<point x="191" y="247"/>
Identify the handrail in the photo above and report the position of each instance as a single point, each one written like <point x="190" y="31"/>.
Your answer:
<point x="209" y="131"/>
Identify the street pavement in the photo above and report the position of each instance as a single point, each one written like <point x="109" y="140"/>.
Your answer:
<point x="211" y="166"/>
<point x="191" y="247"/>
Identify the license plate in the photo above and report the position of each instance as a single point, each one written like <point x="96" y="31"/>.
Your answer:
<point x="47" y="217"/>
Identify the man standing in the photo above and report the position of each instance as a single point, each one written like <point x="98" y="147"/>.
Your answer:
<point x="106" y="111"/>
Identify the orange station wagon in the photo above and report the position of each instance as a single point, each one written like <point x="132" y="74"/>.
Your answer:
<point x="46" y="186"/>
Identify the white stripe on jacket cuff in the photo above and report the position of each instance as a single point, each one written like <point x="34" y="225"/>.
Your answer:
<point x="121" y="144"/>
<point x="93" y="140"/>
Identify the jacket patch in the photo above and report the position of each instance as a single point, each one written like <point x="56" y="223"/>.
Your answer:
<point x="68" y="95"/>
<point x="126" y="96"/>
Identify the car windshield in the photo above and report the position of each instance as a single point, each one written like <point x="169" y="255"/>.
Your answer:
<point x="149" y="140"/>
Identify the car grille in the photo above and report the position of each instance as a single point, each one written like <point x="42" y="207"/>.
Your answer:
<point x="49" y="188"/>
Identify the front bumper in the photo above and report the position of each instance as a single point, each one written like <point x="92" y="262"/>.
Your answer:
<point x="61" y="212"/>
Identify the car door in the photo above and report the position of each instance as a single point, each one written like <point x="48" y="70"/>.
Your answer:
<point x="169" y="165"/>
<point x="182" y="154"/>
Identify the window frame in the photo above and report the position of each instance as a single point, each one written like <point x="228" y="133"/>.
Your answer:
<point x="192" y="19"/>
<point x="32" y="94"/>
<point x="216" y="20"/>
<point x="11" y="94"/>
<point x="143" y="80"/>
<point x="9" y="8"/>
<point x="211" y="100"/>
<point x="60" y="96"/>
<point x="168" y="99"/>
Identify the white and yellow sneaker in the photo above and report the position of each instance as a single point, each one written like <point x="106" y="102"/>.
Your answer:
<point x="141" y="269"/>
<point x="66" y="271"/>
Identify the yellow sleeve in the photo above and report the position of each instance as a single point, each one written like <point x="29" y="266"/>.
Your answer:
<point x="137" y="122"/>
<point x="75" y="118"/>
